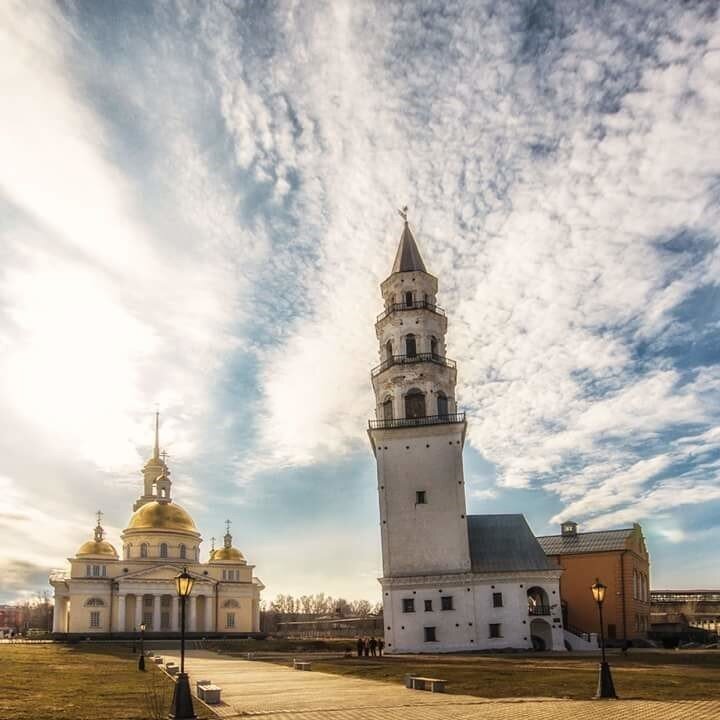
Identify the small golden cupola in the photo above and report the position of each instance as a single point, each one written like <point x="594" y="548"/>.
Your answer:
<point x="227" y="553"/>
<point x="98" y="547"/>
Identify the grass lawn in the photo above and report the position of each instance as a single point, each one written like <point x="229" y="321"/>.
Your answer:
<point x="39" y="682"/>
<point x="650" y="675"/>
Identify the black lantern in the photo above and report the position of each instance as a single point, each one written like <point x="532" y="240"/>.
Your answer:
<point x="182" y="706"/>
<point x="606" y="688"/>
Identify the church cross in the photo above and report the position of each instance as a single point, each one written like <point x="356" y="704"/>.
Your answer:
<point x="164" y="455"/>
<point x="404" y="213"/>
<point x="99" y="516"/>
<point x="227" y="527"/>
<point x="213" y="543"/>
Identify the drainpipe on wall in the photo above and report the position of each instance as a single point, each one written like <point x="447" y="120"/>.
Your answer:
<point x="622" y="590"/>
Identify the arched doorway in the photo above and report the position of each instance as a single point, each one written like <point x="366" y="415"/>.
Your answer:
<point x="415" y="404"/>
<point x="538" y="603"/>
<point x="410" y="345"/>
<point x="541" y="634"/>
<point x="387" y="409"/>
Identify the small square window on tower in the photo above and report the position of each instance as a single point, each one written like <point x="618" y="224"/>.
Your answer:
<point x="420" y="497"/>
<point x="495" y="630"/>
<point x="408" y="605"/>
<point x="497" y="600"/>
<point x="428" y="606"/>
<point x="430" y="634"/>
<point x="446" y="602"/>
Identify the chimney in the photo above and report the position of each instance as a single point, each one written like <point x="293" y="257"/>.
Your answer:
<point x="568" y="529"/>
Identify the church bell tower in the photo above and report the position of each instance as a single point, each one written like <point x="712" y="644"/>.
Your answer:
<point x="418" y="434"/>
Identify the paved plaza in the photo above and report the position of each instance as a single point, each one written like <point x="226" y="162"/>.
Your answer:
<point x="274" y="692"/>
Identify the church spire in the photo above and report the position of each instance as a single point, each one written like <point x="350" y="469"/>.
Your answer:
<point x="408" y="258"/>
<point x="156" y="449"/>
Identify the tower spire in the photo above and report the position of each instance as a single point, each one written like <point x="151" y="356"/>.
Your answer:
<point x="408" y="258"/>
<point x="156" y="449"/>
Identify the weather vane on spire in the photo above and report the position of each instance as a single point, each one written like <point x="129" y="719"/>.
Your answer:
<point x="404" y="213"/>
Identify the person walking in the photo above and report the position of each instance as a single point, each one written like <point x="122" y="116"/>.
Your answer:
<point x="367" y="648"/>
<point x="373" y="647"/>
<point x="360" y="646"/>
<point x="381" y="646"/>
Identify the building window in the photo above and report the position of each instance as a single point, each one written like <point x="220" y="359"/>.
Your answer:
<point x="389" y="351"/>
<point x="410" y="345"/>
<point x="495" y="630"/>
<point x="164" y="620"/>
<point x="95" y="602"/>
<point x="446" y="602"/>
<point x="88" y="570"/>
<point x="183" y="552"/>
<point x="433" y="347"/>
<point x="408" y="298"/>
<point x="408" y="605"/>
<point x="231" y="604"/>
<point x="430" y="634"/>
<point x="388" y="409"/>
<point x="442" y="403"/>
<point x="104" y="570"/>
<point x="224" y="574"/>
<point x="163" y="550"/>
<point x="414" y="404"/>
<point x="428" y="606"/>
<point x="148" y="620"/>
<point x="95" y="619"/>
<point x="497" y="599"/>
<point x="420" y="498"/>
<point x="143" y="550"/>
<point x="230" y="620"/>
<point x="96" y="571"/>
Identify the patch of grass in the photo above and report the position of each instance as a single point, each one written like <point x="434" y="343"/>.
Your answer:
<point x="80" y="683"/>
<point x="651" y="675"/>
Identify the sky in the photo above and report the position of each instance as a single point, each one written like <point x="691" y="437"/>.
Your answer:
<point x="198" y="202"/>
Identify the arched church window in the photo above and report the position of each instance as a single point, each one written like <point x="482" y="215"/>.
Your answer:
<point x="388" y="351"/>
<point x="387" y="409"/>
<point x="434" y="347"/>
<point x="94" y="602"/>
<point x="408" y="299"/>
<point x="163" y="550"/>
<point x="410" y="345"/>
<point x="96" y="571"/>
<point x="154" y="488"/>
<point x="88" y="570"/>
<point x="144" y="550"/>
<point x="163" y="493"/>
<point x="442" y="403"/>
<point x="415" y="404"/>
<point x="231" y="604"/>
<point x="183" y="552"/>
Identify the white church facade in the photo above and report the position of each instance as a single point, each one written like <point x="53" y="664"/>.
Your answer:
<point x="105" y="593"/>
<point x="451" y="581"/>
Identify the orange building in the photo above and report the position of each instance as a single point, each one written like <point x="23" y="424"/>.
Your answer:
<point x="620" y="560"/>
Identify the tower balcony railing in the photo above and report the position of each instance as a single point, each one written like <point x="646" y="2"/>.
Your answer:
<point x="415" y="305"/>
<point x="390" y="423"/>
<point x="538" y="610"/>
<point x="411" y="359"/>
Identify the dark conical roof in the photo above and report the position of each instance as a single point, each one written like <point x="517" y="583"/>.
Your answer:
<point x="408" y="256"/>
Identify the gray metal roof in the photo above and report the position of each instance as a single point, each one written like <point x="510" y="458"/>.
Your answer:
<point x="589" y="542"/>
<point x="504" y="543"/>
<point x="408" y="256"/>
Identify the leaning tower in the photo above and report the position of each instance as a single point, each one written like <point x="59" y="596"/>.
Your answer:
<point x="418" y="434"/>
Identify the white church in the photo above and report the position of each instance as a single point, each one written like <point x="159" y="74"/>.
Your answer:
<point x="104" y="593"/>
<point x="451" y="581"/>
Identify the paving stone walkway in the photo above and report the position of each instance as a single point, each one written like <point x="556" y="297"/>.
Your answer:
<point x="274" y="692"/>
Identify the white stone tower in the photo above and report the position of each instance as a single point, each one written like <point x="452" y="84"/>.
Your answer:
<point x="418" y="434"/>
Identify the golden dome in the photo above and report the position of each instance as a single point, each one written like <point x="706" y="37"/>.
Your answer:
<point x="225" y="553"/>
<point x="93" y="547"/>
<point x="166" y="516"/>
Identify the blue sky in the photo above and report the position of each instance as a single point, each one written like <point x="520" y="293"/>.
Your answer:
<point x="198" y="203"/>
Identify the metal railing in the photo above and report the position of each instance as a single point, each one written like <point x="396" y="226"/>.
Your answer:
<point x="415" y="422"/>
<point x="538" y="609"/>
<point x="410" y="359"/>
<point x="415" y="305"/>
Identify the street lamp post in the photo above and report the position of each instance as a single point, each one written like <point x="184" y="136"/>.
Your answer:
<point x="606" y="688"/>
<point x="141" y="659"/>
<point x="182" y="707"/>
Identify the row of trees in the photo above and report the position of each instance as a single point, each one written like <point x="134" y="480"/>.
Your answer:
<point x="320" y="605"/>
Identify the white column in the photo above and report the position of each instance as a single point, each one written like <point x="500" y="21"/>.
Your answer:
<point x="192" y="624"/>
<point x="156" y="613"/>
<point x="58" y="612"/>
<point x="175" y="614"/>
<point x="208" y="613"/>
<point x="120" y="617"/>
<point x="256" y="605"/>
<point x="138" y="611"/>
